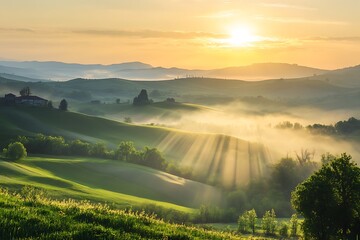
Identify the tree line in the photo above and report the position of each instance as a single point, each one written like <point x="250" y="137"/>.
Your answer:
<point x="125" y="151"/>
<point x="347" y="127"/>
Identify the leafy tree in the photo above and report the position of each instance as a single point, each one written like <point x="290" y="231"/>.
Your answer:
<point x="98" y="150"/>
<point x="243" y="224"/>
<point x="247" y="221"/>
<point x="25" y="92"/>
<point x="125" y="151"/>
<point x="79" y="147"/>
<point x="348" y="127"/>
<point x="330" y="200"/>
<point x="326" y="158"/>
<point x="170" y="100"/>
<point x="142" y="98"/>
<point x="284" y="230"/>
<point x="63" y="106"/>
<point x="15" y="151"/>
<point x="294" y="223"/>
<point x="152" y="157"/>
<point x="269" y="222"/>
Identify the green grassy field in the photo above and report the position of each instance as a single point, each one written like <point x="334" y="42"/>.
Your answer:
<point x="107" y="181"/>
<point x="222" y="159"/>
<point x="30" y="216"/>
<point x="233" y="227"/>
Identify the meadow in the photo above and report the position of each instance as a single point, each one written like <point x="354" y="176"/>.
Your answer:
<point x="122" y="184"/>
<point x="31" y="215"/>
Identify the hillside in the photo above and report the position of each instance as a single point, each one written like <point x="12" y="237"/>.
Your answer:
<point x="183" y="90"/>
<point x="154" y="113"/>
<point x="261" y="71"/>
<point x="220" y="158"/>
<point x="25" y="216"/>
<point x="99" y="180"/>
<point x="348" y="77"/>
<point x="60" y="71"/>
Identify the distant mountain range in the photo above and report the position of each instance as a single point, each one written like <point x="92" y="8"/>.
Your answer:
<point x="58" y="71"/>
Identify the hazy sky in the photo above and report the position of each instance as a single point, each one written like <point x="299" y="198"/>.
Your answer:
<point x="183" y="33"/>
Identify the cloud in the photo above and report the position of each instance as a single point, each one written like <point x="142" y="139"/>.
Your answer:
<point x="150" y="34"/>
<point x="301" y="20"/>
<point x="288" y="6"/>
<point x="17" y="30"/>
<point x="223" y="14"/>
<point x="350" y="39"/>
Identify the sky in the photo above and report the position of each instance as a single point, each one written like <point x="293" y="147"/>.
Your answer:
<point x="196" y="34"/>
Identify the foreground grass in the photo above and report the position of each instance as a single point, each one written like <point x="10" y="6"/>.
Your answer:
<point x="28" y="215"/>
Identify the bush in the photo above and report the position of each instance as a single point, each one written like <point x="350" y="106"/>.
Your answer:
<point x="283" y="231"/>
<point x="246" y="222"/>
<point x="294" y="222"/>
<point x="152" y="157"/>
<point x="15" y="151"/>
<point x="269" y="222"/>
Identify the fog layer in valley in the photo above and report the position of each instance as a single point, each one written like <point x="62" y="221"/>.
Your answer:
<point x="254" y="124"/>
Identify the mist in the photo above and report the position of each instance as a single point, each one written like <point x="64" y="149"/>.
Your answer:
<point x="254" y="124"/>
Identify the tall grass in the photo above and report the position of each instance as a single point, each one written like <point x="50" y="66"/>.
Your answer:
<point x="29" y="214"/>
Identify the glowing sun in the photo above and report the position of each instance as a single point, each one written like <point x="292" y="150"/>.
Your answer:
<point x="241" y="37"/>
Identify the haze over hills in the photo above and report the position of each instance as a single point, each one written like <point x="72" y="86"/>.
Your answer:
<point x="349" y="77"/>
<point x="187" y="89"/>
<point x="59" y="71"/>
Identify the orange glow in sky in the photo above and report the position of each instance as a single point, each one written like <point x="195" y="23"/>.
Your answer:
<point x="191" y="34"/>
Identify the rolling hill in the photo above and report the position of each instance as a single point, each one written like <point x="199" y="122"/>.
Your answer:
<point x="348" y="77"/>
<point x="183" y="90"/>
<point x="100" y="180"/>
<point x="158" y="112"/>
<point x="221" y="159"/>
<point x="140" y="71"/>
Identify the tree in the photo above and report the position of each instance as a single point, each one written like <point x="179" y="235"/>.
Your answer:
<point x="63" y="106"/>
<point x="330" y="200"/>
<point x="283" y="230"/>
<point x="247" y="221"/>
<point x="15" y="151"/>
<point x="170" y="100"/>
<point x="294" y="222"/>
<point x="25" y="92"/>
<point x="125" y="151"/>
<point x="269" y="222"/>
<point x="98" y="150"/>
<point x="79" y="147"/>
<point x="118" y="101"/>
<point x="142" y="98"/>
<point x="152" y="157"/>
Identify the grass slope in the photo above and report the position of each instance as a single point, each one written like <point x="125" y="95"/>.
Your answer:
<point x="107" y="181"/>
<point x="224" y="159"/>
<point x="27" y="216"/>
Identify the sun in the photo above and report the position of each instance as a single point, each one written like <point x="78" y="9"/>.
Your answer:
<point x="241" y="36"/>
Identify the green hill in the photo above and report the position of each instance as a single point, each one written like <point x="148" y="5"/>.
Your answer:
<point x="29" y="216"/>
<point x="221" y="159"/>
<point x="107" y="181"/>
